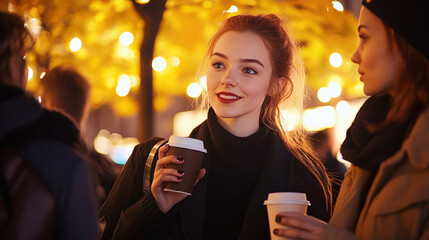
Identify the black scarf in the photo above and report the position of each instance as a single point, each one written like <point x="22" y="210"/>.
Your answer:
<point x="366" y="149"/>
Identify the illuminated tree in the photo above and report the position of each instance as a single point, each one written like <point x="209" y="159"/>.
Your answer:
<point x="116" y="69"/>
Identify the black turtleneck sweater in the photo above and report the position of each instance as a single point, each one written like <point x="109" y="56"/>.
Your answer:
<point x="235" y="165"/>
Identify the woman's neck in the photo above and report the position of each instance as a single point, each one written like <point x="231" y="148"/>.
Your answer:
<point x="239" y="127"/>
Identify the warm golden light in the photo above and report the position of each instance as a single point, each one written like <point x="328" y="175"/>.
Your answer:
<point x="203" y="82"/>
<point x="334" y="89"/>
<point x="207" y="4"/>
<point x="175" y="61"/>
<point x="335" y="59"/>
<point x="338" y="6"/>
<point x="319" y="118"/>
<point x="29" y="73"/>
<point x="142" y="1"/>
<point x="126" y="38"/>
<point x="34" y="25"/>
<point x="194" y="90"/>
<point x="290" y="119"/>
<point x="184" y="122"/>
<point x="323" y="94"/>
<point x="42" y="75"/>
<point x="102" y="144"/>
<point x="159" y="64"/>
<point x="343" y="108"/>
<point x="124" y="85"/>
<point x="75" y="44"/>
<point x="134" y="81"/>
<point x="232" y="9"/>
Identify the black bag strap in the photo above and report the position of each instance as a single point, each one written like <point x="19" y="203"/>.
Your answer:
<point x="150" y="166"/>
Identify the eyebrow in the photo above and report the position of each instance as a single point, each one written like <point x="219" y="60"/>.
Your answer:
<point x="241" y="60"/>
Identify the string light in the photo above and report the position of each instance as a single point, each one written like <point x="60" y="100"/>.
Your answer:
<point x="159" y="64"/>
<point x="335" y="59"/>
<point x="324" y="95"/>
<point x="194" y="90"/>
<point x="75" y="44"/>
<point x="232" y="9"/>
<point x="124" y="85"/>
<point x="126" y="38"/>
<point x="29" y="73"/>
<point x="142" y="1"/>
<point x="338" y="6"/>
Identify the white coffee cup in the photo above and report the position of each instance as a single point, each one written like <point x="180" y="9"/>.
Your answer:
<point x="284" y="202"/>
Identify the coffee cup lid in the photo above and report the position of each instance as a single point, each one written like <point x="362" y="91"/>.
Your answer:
<point x="287" y="198"/>
<point x="186" y="142"/>
<point x="287" y="202"/>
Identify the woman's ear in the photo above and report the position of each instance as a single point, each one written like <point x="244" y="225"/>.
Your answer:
<point x="277" y="86"/>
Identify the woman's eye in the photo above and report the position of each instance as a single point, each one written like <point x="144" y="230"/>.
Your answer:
<point x="218" y="65"/>
<point x="362" y="37"/>
<point x="249" y="71"/>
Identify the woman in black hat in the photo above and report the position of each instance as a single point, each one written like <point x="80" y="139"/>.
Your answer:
<point x="385" y="194"/>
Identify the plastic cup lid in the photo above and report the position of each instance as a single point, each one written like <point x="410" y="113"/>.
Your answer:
<point x="287" y="198"/>
<point x="287" y="202"/>
<point x="186" y="142"/>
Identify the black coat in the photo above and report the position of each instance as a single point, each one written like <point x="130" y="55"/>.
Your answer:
<point x="41" y="138"/>
<point x="138" y="217"/>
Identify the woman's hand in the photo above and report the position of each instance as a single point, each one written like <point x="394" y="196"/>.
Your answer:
<point x="162" y="175"/>
<point x="301" y="226"/>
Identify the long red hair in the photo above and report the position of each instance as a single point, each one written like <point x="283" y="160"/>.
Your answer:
<point x="287" y="95"/>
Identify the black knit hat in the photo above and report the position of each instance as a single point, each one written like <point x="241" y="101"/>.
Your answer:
<point x="409" y="18"/>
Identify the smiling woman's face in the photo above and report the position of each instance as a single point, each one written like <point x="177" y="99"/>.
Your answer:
<point x="379" y="59"/>
<point x="239" y="76"/>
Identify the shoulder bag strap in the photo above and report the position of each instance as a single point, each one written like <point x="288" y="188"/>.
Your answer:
<point x="148" y="166"/>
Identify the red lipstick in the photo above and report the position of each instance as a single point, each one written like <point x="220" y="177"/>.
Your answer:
<point x="225" y="97"/>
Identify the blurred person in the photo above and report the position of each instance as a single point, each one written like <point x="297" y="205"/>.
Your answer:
<point x="251" y="66"/>
<point x="65" y="90"/>
<point x="322" y="141"/>
<point x="385" y="194"/>
<point x="45" y="186"/>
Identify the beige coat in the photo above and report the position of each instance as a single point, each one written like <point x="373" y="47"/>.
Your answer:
<point x="397" y="205"/>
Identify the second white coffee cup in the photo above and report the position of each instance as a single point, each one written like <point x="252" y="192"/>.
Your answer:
<point x="284" y="202"/>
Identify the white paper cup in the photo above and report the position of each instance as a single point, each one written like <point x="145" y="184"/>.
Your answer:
<point x="284" y="202"/>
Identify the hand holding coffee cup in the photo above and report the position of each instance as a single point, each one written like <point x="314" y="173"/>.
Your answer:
<point x="177" y="170"/>
<point x="284" y="202"/>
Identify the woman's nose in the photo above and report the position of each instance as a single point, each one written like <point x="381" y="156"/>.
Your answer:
<point x="356" y="57"/>
<point x="228" y="78"/>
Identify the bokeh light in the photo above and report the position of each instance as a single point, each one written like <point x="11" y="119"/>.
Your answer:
<point x="159" y="64"/>
<point x="124" y="85"/>
<point x="102" y="144"/>
<point x="343" y="108"/>
<point x="119" y="149"/>
<point x="126" y="38"/>
<point x="75" y="44"/>
<point x="319" y="118"/>
<point x="142" y="1"/>
<point x="232" y="9"/>
<point x="194" y="90"/>
<point x="338" y="6"/>
<point x="334" y="89"/>
<point x="335" y="59"/>
<point x="29" y="73"/>
<point x="175" y="61"/>
<point x="323" y="94"/>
